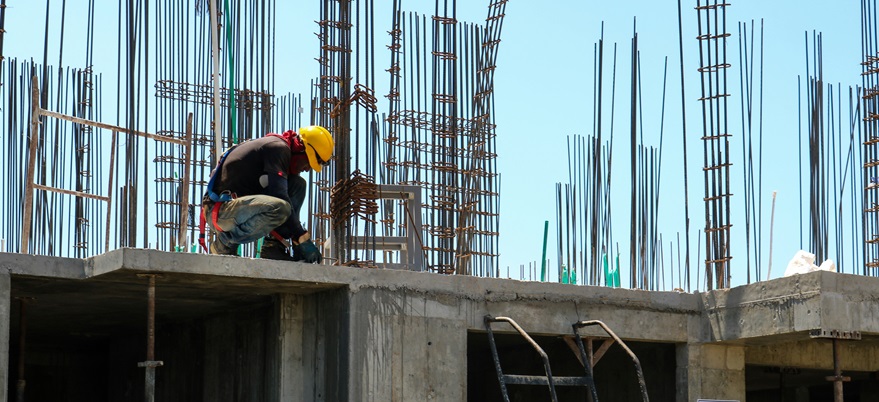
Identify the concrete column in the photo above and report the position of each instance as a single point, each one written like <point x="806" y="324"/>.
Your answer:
<point x="5" y="316"/>
<point x="290" y="336"/>
<point x="710" y="371"/>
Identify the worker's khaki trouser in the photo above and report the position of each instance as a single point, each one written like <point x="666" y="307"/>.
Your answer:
<point x="248" y="218"/>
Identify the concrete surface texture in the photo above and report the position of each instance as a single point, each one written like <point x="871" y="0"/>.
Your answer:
<point x="322" y="333"/>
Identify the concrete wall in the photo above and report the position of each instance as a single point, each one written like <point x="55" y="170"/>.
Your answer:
<point x="768" y="308"/>
<point x="229" y="357"/>
<point x="5" y="315"/>
<point x="338" y="333"/>
<point x="405" y="347"/>
<point x="710" y="372"/>
<point x="403" y="321"/>
<point x="795" y="304"/>
<point x="816" y="354"/>
<point x="411" y="344"/>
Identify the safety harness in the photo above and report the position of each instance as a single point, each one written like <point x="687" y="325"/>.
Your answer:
<point x="217" y="199"/>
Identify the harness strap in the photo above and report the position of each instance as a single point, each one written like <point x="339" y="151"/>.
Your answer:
<point x="217" y="198"/>
<point x="203" y="223"/>
<point x="215" y="212"/>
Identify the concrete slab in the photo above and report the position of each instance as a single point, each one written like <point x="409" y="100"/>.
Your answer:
<point x="787" y="309"/>
<point x="38" y="265"/>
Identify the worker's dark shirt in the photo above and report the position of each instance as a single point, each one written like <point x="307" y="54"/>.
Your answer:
<point x="243" y="167"/>
<point x="266" y="166"/>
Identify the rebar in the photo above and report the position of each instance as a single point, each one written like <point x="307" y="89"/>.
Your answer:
<point x="870" y="85"/>
<point x="713" y="73"/>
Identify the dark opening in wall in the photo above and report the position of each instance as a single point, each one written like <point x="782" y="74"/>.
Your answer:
<point x="221" y="357"/>
<point x="615" y="377"/>
<point x="85" y="338"/>
<point x="791" y="384"/>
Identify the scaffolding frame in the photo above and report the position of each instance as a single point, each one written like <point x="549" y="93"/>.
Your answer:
<point x="36" y="113"/>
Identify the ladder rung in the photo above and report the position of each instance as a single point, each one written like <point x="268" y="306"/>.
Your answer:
<point x="542" y="380"/>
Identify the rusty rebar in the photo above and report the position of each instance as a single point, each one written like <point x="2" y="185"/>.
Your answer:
<point x="150" y="364"/>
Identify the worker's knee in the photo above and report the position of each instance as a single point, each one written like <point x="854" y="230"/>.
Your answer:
<point x="281" y="211"/>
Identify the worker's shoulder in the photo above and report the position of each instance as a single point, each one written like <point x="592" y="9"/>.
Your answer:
<point x="275" y="144"/>
<point x="265" y="144"/>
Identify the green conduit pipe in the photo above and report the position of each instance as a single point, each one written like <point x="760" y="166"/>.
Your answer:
<point x="233" y="110"/>
<point x="543" y="260"/>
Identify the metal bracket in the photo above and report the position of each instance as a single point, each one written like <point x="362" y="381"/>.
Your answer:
<point x="409" y="246"/>
<point x="837" y="378"/>
<point x="835" y="334"/>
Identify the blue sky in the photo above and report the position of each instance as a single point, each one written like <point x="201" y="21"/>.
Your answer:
<point x="543" y="93"/>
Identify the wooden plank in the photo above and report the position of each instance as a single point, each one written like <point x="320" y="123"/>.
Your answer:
<point x="600" y="352"/>
<point x="70" y="192"/>
<point x="36" y="112"/>
<point x="593" y="357"/>
<point x="110" y="191"/>
<point x="111" y="127"/>
<point x="574" y="348"/>
<point x="184" y="196"/>
<point x="32" y="162"/>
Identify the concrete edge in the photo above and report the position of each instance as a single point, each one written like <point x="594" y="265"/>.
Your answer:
<point x="467" y="287"/>
<point x="42" y="266"/>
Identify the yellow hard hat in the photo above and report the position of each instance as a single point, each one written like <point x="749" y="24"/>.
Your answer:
<point x="319" y="146"/>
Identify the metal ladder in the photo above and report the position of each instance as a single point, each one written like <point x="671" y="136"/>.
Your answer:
<point x="548" y="380"/>
<point x="586" y="360"/>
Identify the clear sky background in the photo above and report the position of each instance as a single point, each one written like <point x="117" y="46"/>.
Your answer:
<point x="543" y="94"/>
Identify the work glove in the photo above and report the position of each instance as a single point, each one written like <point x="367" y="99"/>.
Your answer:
<point x="306" y="251"/>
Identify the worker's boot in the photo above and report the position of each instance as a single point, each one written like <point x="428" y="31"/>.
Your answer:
<point x="218" y="247"/>
<point x="272" y="249"/>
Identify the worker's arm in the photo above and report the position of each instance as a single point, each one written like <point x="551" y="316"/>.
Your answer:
<point x="292" y="228"/>
<point x="276" y="161"/>
<point x="283" y="184"/>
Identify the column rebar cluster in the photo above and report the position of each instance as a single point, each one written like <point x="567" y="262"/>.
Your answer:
<point x="716" y="163"/>
<point x="870" y="102"/>
<point x="752" y="172"/>
<point x="583" y="210"/>
<point x="834" y="206"/>
<point x="68" y="155"/>
<point x="332" y="91"/>
<point x="183" y="88"/>
<point x="206" y="69"/>
<point x="441" y="134"/>
<point x="819" y="133"/>
<point x="479" y="213"/>
<point x="583" y="207"/>
<point x="164" y="81"/>
<point x="83" y="160"/>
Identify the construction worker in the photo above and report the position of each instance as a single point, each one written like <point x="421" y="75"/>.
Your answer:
<point x="256" y="191"/>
